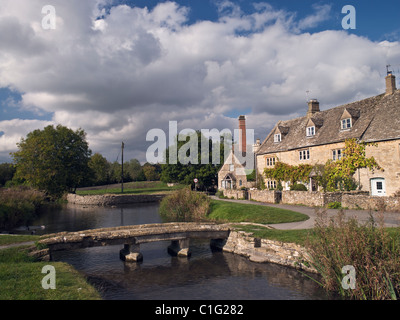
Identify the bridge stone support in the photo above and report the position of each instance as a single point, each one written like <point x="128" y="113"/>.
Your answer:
<point x="131" y="253"/>
<point x="180" y="248"/>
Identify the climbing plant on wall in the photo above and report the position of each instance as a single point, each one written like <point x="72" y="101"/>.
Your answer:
<point x="285" y="172"/>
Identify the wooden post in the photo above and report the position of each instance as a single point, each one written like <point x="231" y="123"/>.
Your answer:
<point x="122" y="168"/>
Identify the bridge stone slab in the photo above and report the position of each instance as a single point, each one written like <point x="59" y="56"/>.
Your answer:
<point x="133" y="236"/>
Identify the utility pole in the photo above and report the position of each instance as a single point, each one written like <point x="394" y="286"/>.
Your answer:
<point x="122" y="168"/>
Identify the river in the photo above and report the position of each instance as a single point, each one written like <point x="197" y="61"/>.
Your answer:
<point x="206" y="275"/>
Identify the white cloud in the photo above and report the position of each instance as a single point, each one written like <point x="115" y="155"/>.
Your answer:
<point x="13" y="131"/>
<point x="118" y="73"/>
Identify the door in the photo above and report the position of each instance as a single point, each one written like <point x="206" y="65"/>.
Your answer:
<point x="378" y="187"/>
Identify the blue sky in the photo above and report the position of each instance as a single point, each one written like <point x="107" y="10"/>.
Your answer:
<point x="123" y="67"/>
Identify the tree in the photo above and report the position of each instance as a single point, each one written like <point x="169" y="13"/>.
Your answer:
<point x="54" y="159"/>
<point x="185" y="173"/>
<point x="7" y="171"/>
<point x="150" y="172"/>
<point x="135" y="170"/>
<point x="100" y="168"/>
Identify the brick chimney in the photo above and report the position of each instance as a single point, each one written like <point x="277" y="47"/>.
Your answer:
<point x="313" y="107"/>
<point x="242" y="138"/>
<point x="390" y="83"/>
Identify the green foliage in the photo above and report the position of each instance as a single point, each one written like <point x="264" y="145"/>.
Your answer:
<point x="185" y="173"/>
<point x="150" y="172"/>
<point x="241" y="212"/>
<point x="100" y="168"/>
<point x="338" y="175"/>
<point x="54" y="159"/>
<point x="298" y="187"/>
<point x="18" y="206"/>
<point x="251" y="176"/>
<point x="285" y="172"/>
<point x="185" y="205"/>
<point x="334" y="205"/>
<point x="134" y="170"/>
<point x="7" y="171"/>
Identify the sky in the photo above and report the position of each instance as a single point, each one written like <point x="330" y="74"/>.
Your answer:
<point x="118" y="69"/>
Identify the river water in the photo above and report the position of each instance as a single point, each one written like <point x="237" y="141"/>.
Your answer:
<point x="206" y="275"/>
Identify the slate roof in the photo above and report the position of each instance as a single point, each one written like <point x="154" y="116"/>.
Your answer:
<point x="373" y="119"/>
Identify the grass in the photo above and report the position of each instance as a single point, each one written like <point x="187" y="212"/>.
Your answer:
<point x="290" y="236"/>
<point x="143" y="187"/>
<point x="21" y="279"/>
<point x="10" y="239"/>
<point x="370" y="249"/>
<point x="239" y="212"/>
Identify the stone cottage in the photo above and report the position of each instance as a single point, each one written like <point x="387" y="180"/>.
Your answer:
<point x="320" y="135"/>
<point x="233" y="174"/>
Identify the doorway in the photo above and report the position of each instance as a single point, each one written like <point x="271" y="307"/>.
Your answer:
<point x="378" y="187"/>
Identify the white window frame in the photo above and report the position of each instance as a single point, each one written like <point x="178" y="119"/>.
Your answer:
<point x="277" y="137"/>
<point x="310" y="131"/>
<point x="346" y="123"/>
<point x="304" y="155"/>
<point x="337" y="154"/>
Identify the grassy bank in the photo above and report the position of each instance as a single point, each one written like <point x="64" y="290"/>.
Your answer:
<point x="21" y="279"/>
<point x="239" y="212"/>
<point x="142" y="187"/>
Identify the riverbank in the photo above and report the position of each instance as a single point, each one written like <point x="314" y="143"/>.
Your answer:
<point x="21" y="277"/>
<point x="113" y="199"/>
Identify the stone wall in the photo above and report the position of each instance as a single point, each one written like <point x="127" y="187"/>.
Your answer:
<point x="263" y="250"/>
<point x="310" y="199"/>
<point x="269" y="196"/>
<point x="235" y="194"/>
<point x="112" y="199"/>
<point x="360" y="201"/>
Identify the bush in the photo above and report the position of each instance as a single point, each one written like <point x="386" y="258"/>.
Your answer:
<point x="298" y="187"/>
<point x="373" y="253"/>
<point x="334" y="205"/>
<point x="18" y="206"/>
<point x="220" y="194"/>
<point x="185" y="205"/>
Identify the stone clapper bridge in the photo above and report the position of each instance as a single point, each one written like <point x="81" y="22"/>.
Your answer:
<point x="179" y="233"/>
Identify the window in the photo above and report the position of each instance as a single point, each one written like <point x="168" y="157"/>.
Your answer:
<point x="231" y="167"/>
<point x="337" y="154"/>
<point x="277" y="137"/>
<point x="310" y="131"/>
<point x="240" y="182"/>
<point x="270" y="162"/>
<point x="346" y="123"/>
<point x="304" y="155"/>
<point x="271" y="184"/>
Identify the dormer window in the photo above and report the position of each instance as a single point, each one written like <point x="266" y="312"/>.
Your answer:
<point x="310" y="131"/>
<point x="346" y="123"/>
<point x="348" y="118"/>
<point x="277" y="137"/>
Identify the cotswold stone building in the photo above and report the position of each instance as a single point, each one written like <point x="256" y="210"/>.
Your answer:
<point x="320" y="135"/>
<point x="232" y="174"/>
